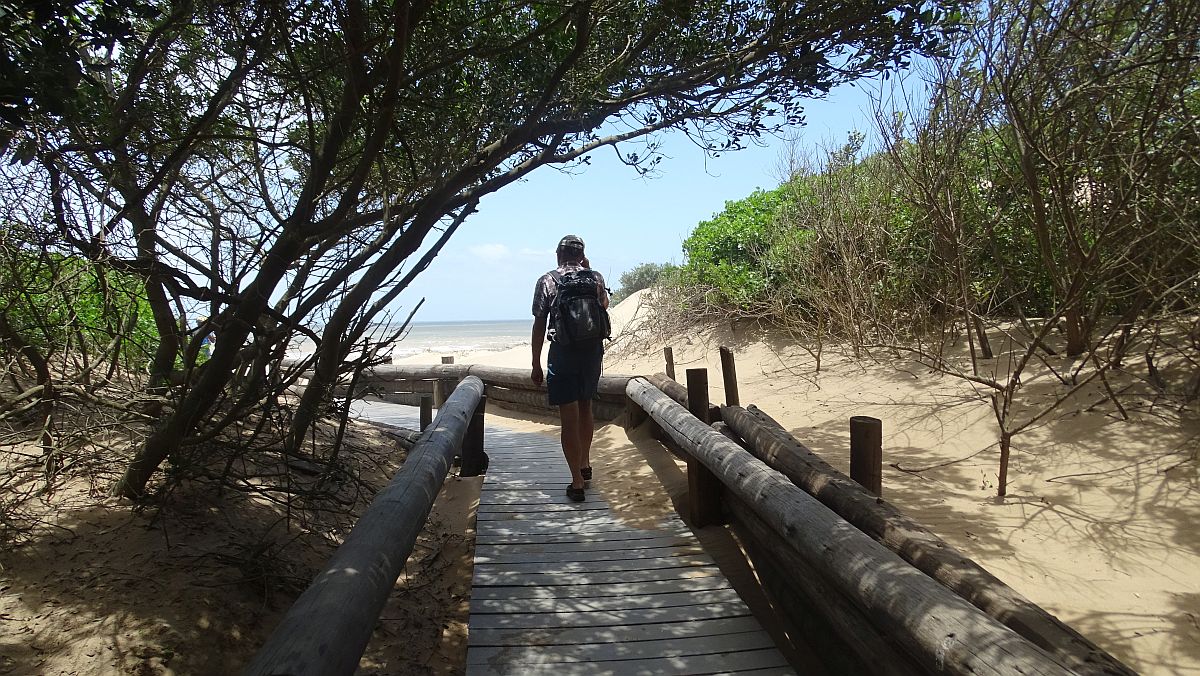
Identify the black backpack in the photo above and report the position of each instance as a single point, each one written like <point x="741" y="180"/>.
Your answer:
<point x="577" y="316"/>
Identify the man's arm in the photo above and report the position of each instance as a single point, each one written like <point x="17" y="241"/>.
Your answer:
<point x="537" y="340"/>
<point x="601" y="291"/>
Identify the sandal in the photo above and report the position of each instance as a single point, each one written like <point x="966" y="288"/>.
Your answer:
<point x="586" y="472"/>
<point x="576" y="494"/>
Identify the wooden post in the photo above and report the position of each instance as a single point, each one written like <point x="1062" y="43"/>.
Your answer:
<point x="670" y="358"/>
<point x="697" y="390"/>
<point x="634" y="415"/>
<point x="442" y="389"/>
<point x="426" y="410"/>
<point x="704" y="489"/>
<point x="446" y="385"/>
<point x="729" y="376"/>
<point x="474" y="460"/>
<point x="866" y="453"/>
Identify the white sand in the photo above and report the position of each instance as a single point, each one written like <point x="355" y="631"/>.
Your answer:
<point x="1101" y="525"/>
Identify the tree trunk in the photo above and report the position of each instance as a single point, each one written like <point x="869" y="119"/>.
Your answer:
<point x="1005" y="446"/>
<point x="168" y="437"/>
<point x="1076" y="335"/>
<point x="985" y="347"/>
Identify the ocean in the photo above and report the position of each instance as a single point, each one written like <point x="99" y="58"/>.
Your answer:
<point x="448" y="338"/>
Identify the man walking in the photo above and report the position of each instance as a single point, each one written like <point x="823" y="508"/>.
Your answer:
<point x="570" y="308"/>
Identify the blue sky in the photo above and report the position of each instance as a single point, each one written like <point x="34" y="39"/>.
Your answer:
<point x="488" y="269"/>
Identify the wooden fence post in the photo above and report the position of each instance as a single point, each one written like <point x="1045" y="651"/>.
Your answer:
<point x="729" y="376"/>
<point x="669" y="356"/>
<point x="426" y="410"/>
<point x="866" y="453"/>
<point x="474" y="460"/>
<point x="704" y="489"/>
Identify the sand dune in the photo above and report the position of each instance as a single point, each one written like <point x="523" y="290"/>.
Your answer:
<point x="1099" y="526"/>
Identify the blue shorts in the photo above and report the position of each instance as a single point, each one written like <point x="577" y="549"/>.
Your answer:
<point x="573" y="372"/>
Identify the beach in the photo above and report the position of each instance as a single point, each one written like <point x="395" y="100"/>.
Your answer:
<point x="1098" y="526"/>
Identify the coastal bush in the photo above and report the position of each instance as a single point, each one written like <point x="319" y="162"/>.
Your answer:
<point x="726" y="255"/>
<point x="62" y="305"/>
<point x="1042" y="197"/>
<point x="642" y="276"/>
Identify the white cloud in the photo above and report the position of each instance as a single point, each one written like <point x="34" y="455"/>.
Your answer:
<point x="490" y="252"/>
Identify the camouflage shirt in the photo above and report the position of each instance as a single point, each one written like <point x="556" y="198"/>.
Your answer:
<point x="546" y="289"/>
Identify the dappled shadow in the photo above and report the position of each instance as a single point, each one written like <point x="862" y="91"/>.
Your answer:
<point x="643" y="482"/>
<point x="198" y="584"/>
<point x="146" y="594"/>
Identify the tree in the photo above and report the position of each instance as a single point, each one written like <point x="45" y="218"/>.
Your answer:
<point x="274" y="166"/>
<point x="1054" y="158"/>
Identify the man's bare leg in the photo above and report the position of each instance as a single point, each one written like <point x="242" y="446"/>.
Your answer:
<point x="571" y="437"/>
<point x="586" y="424"/>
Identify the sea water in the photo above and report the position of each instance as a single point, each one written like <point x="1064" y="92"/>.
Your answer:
<point x="448" y="338"/>
<point x="438" y="339"/>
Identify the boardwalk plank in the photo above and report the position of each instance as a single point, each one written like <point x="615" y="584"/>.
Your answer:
<point x="494" y="537"/>
<point x="591" y="652"/>
<point x="519" y="579"/>
<point x="609" y="618"/>
<point x="572" y="636"/>
<point x="567" y="567"/>
<point x="619" y="602"/>
<point x="670" y="615"/>
<point x="573" y="556"/>
<point x="584" y="544"/>
<point x="566" y="523"/>
<point x="493" y="508"/>
<point x="693" y="585"/>
<point x="687" y="664"/>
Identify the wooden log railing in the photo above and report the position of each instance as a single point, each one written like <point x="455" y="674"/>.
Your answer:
<point x="327" y="629"/>
<point x="939" y="630"/>
<point x="508" y="387"/>
<point x="917" y="545"/>
<point x="891" y="590"/>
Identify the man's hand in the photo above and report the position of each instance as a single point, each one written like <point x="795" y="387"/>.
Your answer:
<point x="537" y="376"/>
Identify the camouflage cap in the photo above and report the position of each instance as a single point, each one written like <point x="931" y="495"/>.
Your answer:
<point x="570" y="242"/>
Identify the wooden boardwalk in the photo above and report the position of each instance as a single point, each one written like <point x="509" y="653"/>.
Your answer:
<point x="568" y="588"/>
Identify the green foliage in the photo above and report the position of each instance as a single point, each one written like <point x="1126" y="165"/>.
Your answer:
<point x="56" y="303"/>
<point x="725" y="254"/>
<point x="641" y="277"/>
<point x="1053" y="178"/>
<point x="41" y="51"/>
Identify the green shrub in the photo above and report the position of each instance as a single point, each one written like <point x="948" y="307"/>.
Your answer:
<point x="725" y="254"/>
<point x="56" y="303"/>
<point x="641" y="277"/>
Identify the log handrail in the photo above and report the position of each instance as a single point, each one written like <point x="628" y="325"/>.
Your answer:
<point x="939" y="629"/>
<point x="917" y="545"/>
<point x="610" y="384"/>
<point x="327" y="629"/>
